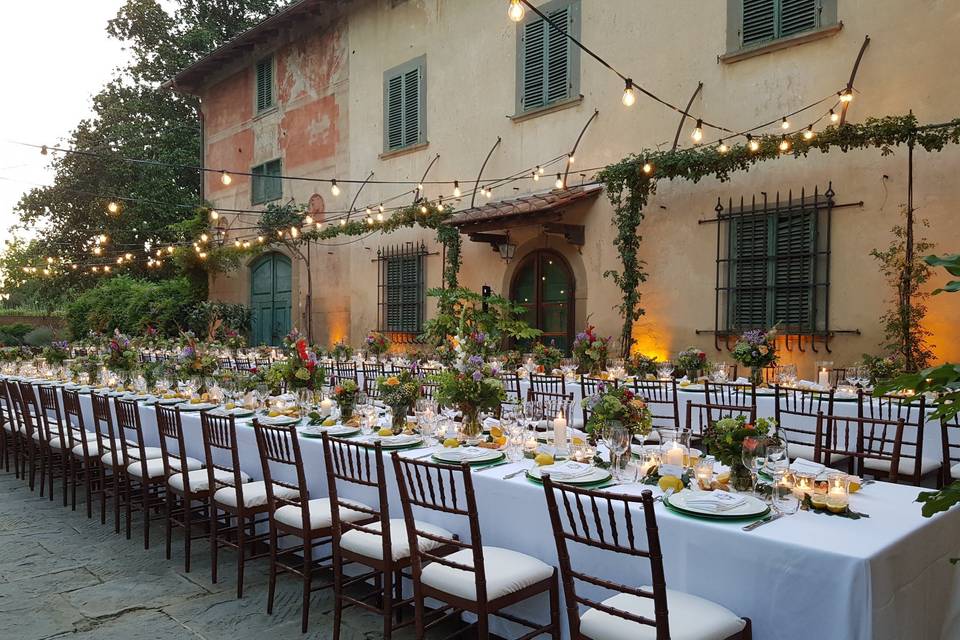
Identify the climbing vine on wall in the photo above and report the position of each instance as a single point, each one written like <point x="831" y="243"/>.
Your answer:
<point x="629" y="187"/>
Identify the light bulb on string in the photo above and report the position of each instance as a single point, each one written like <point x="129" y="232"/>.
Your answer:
<point x="214" y="215"/>
<point x="629" y="96"/>
<point x="204" y="237"/>
<point x="379" y="217"/>
<point x="456" y="189"/>
<point x="440" y="203"/>
<point x="846" y="96"/>
<point x="49" y="260"/>
<point x="237" y="243"/>
<point x="120" y="260"/>
<point x="723" y="148"/>
<point x="170" y="249"/>
<point x="369" y="220"/>
<point x="570" y="159"/>
<point x="808" y="134"/>
<point x="106" y="268"/>
<point x="697" y="134"/>
<point x="647" y="167"/>
<point x="540" y="170"/>
<point x="102" y="238"/>
<point x="94" y="269"/>
<point x="536" y="177"/>
<point x="420" y="187"/>
<point x="308" y="219"/>
<point x="97" y="251"/>
<point x="380" y="208"/>
<point x="113" y="207"/>
<point x="559" y="183"/>
<point x="343" y="221"/>
<point x="334" y="188"/>
<point x="73" y="266"/>
<point x="785" y="124"/>
<point x="128" y="256"/>
<point x="834" y="116"/>
<point x="225" y="178"/>
<point x="423" y="208"/>
<point x="752" y="144"/>
<point x="203" y="255"/>
<point x="516" y="10"/>
<point x="784" y="144"/>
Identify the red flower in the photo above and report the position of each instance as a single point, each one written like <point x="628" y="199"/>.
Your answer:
<point x="302" y="348"/>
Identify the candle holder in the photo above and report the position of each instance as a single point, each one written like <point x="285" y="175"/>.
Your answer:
<point x="804" y="484"/>
<point x="561" y="439"/>
<point x="824" y="373"/>
<point x="703" y="471"/>
<point x="672" y="449"/>
<point x="838" y="491"/>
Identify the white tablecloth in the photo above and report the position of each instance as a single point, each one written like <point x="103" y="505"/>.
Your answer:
<point x="805" y="576"/>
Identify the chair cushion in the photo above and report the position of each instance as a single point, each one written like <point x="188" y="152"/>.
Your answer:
<point x="155" y="467"/>
<point x="955" y="471"/>
<point x="371" y="545"/>
<point x="11" y="427"/>
<point x="88" y="435"/>
<point x="906" y="466"/>
<point x="254" y="494"/>
<point x="691" y="618"/>
<point x="152" y="453"/>
<point x="200" y="481"/>
<point x="506" y="571"/>
<point x="805" y="451"/>
<point x="320" y="517"/>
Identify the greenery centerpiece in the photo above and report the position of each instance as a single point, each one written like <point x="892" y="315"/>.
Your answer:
<point x="341" y="351"/>
<point x="345" y="394"/>
<point x="882" y="368"/>
<point x="233" y="340"/>
<point x="692" y="361"/>
<point x="399" y="392"/>
<point x="300" y="369"/>
<point x="56" y="353"/>
<point x="377" y="344"/>
<point x="195" y="362"/>
<point x="121" y="357"/>
<point x="547" y="356"/>
<point x="756" y="349"/>
<point x="725" y="440"/>
<point x="472" y="386"/>
<point x="641" y="365"/>
<point x="590" y="351"/>
<point x="611" y="404"/>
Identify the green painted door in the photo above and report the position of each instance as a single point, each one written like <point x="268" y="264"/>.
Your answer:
<point x="270" y="296"/>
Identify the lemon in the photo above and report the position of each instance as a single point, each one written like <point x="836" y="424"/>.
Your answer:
<point x="273" y="414"/>
<point x="386" y="431"/>
<point x="543" y="459"/>
<point x="329" y="422"/>
<point x="229" y="406"/>
<point x="500" y="441"/>
<point x="451" y="443"/>
<point x="578" y="441"/>
<point x="496" y="432"/>
<point x="670" y="482"/>
<point x="723" y="478"/>
<point x="854" y="485"/>
<point x="195" y="401"/>
<point x="205" y="397"/>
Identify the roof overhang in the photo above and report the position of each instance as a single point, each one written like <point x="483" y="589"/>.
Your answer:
<point x="537" y="209"/>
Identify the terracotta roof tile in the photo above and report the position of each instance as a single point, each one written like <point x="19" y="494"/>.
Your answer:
<point x="530" y="204"/>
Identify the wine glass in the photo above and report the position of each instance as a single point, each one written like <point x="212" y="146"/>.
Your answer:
<point x="753" y="455"/>
<point x="665" y="369"/>
<point x="619" y="444"/>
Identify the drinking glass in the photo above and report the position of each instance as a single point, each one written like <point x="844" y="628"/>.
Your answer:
<point x="263" y="393"/>
<point x="665" y="369"/>
<point x="784" y="500"/>
<point x="753" y="455"/>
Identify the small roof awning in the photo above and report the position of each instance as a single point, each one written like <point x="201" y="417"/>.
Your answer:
<point x="534" y="209"/>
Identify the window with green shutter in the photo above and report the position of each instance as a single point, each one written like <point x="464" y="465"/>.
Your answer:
<point x="775" y="271"/>
<point x="404" y="105"/>
<point x="401" y="288"/>
<point x="266" y="184"/>
<point x="757" y="22"/>
<point x="264" y="86"/>
<point x="548" y="64"/>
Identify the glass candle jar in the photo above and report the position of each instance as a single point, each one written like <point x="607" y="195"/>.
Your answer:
<point x="703" y="471"/>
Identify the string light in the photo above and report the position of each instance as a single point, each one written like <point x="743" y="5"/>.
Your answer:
<point x="214" y="215"/>
<point x="536" y="177"/>
<point x="379" y="217"/>
<point x="106" y="268"/>
<point x="369" y="220"/>
<point x="97" y="251"/>
<point x="380" y="208"/>
<point x="73" y="266"/>
<point x="94" y="269"/>
<point x="113" y="207"/>
<point x="102" y="238"/>
<point x="846" y="96"/>
<point x="516" y="10"/>
<point x="308" y="219"/>
<point x="420" y="187"/>
<point x="808" y="134"/>
<point x="697" y="134"/>
<point x="343" y="221"/>
<point x="49" y="260"/>
<point x="559" y="183"/>
<point x="456" y="189"/>
<point x="204" y="237"/>
<point x="260" y="239"/>
<point x="784" y="144"/>
<point x="834" y="116"/>
<point x="225" y="178"/>
<point x="723" y="148"/>
<point x="785" y="124"/>
<point x="423" y="208"/>
<point x="629" y="96"/>
<point x="752" y="144"/>
<point x="570" y="159"/>
<point x="128" y="256"/>
<point x="647" y="167"/>
<point x="237" y="243"/>
<point x="540" y="170"/>
<point x="334" y="188"/>
<point x="202" y="254"/>
<point x="170" y="249"/>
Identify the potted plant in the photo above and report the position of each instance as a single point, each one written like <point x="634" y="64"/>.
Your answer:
<point x="590" y="351"/>
<point x="756" y="349"/>
<point x="471" y="386"/>
<point x="725" y="441"/>
<point x="400" y="393"/>
<point x="691" y="361"/>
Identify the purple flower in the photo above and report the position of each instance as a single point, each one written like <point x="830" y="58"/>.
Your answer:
<point x="477" y="376"/>
<point x="187" y="352"/>
<point x="475" y="360"/>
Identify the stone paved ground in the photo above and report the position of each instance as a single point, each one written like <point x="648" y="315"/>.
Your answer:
<point x="64" y="576"/>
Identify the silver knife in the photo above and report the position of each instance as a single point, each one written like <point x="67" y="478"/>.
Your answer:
<point x="491" y="466"/>
<point x="514" y="474"/>
<point x="763" y="521"/>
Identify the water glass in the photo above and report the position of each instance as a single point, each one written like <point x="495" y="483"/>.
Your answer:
<point x="665" y="369"/>
<point x="753" y="455"/>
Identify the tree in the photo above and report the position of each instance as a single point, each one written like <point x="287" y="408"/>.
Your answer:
<point x="132" y="118"/>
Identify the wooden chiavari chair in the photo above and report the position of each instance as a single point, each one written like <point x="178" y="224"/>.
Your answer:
<point x="426" y="373"/>
<point x="262" y="363"/>
<point x="28" y="411"/>
<point x="372" y="370"/>
<point x="428" y="388"/>
<point x="377" y="542"/>
<point x="370" y="387"/>
<point x="240" y="501"/>
<point x="111" y="462"/>
<point x="84" y="449"/>
<point x="479" y="579"/>
<point x="730" y="394"/>
<point x="9" y="431"/>
<point x="914" y="466"/>
<point x="293" y="514"/>
<point x="867" y="442"/>
<point x="545" y="383"/>
<point x="796" y="413"/>
<point x="347" y="370"/>
<point x="662" y="400"/>
<point x="511" y="384"/>
<point x="58" y="439"/>
<point x="242" y="364"/>
<point x="584" y="518"/>
<point x="950" y="469"/>
<point x="547" y="406"/>
<point x="590" y="386"/>
<point x="226" y="363"/>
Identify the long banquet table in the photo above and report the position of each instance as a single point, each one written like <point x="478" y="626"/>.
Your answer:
<point x="800" y="577"/>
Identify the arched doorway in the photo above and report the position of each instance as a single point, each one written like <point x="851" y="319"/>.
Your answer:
<point x="544" y="285"/>
<point x="270" y="294"/>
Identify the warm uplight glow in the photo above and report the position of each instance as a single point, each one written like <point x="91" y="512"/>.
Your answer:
<point x="516" y="10"/>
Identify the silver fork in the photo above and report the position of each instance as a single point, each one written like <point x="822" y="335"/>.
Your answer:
<point x="514" y="474"/>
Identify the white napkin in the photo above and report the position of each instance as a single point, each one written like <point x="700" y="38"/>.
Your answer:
<point x="806" y="466"/>
<point x="465" y="453"/>
<point x="810" y="386"/>
<point x="489" y="422"/>
<point x="568" y="470"/>
<point x="715" y="501"/>
<point x="741" y="380"/>
<point x="401" y="439"/>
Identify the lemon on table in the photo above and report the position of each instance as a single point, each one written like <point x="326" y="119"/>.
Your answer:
<point x="451" y="443"/>
<point x="667" y="483"/>
<point x="229" y="406"/>
<point x="723" y="478"/>
<point x="578" y="441"/>
<point x="329" y="422"/>
<point x="543" y="459"/>
<point x="500" y="441"/>
<point x="195" y="400"/>
<point x="496" y="432"/>
<point x="386" y="431"/>
<point x="205" y="397"/>
<point x="273" y="414"/>
<point x="854" y="485"/>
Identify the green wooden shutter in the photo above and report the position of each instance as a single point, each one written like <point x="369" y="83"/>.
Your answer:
<point x="534" y="64"/>
<point x="749" y="257"/>
<point x="265" y="83"/>
<point x="395" y="113"/>
<point x="797" y="16"/>
<point x="411" y="107"/>
<point x="273" y="185"/>
<point x="759" y="21"/>
<point x="403" y="105"/>
<point x="795" y="243"/>
<point x="558" y="57"/>
<point x="256" y="185"/>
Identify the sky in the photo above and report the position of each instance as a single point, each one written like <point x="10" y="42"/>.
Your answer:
<point x="57" y="57"/>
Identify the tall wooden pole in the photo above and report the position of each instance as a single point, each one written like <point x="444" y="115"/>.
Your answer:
<point x="906" y="283"/>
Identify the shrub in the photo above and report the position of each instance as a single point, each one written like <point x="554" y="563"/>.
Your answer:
<point x="234" y="316"/>
<point x="39" y="337"/>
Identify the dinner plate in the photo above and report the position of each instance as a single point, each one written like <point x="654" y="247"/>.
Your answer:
<point x="336" y="431"/>
<point x="170" y="401"/>
<point x="596" y="476"/>
<point x="278" y="421"/>
<point x="199" y="406"/>
<point x="752" y="508"/>
<point x="392" y="442"/>
<point x="690" y="387"/>
<point x="449" y="456"/>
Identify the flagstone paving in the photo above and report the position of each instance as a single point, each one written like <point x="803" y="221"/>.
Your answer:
<point x="64" y="576"/>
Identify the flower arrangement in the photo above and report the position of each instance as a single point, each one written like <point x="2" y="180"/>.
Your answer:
<point x="345" y="395"/>
<point x="512" y="359"/>
<point x="377" y="343"/>
<point x="590" y="351"/>
<point x="473" y="387"/>
<point x="641" y="365"/>
<point x="341" y="351"/>
<point x="547" y="356"/>
<point x="617" y="404"/>
<point x="756" y="349"/>
<point x="882" y="368"/>
<point x="691" y="361"/>
<point x="194" y="361"/>
<point x="121" y="356"/>
<point x="301" y="369"/>
<point x="152" y="372"/>
<point x="445" y="354"/>
<point x="475" y="343"/>
<point x="400" y="393"/>
<point x="57" y="353"/>
<point x="233" y="339"/>
<point x="726" y="438"/>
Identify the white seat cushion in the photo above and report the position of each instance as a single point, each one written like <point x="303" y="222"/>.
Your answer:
<point x="88" y="435"/>
<point x="506" y="571"/>
<point x="254" y="494"/>
<point x="200" y="481"/>
<point x="371" y="545"/>
<point x="906" y="466"/>
<point x="955" y="471"/>
<point x="155" y="467"/>
<point x="805" y="451"/>
<point x="10" y="427"/>
<point x="691" y="618"/>
<point x="320" y="517"/>
<point x="152" y="453"/>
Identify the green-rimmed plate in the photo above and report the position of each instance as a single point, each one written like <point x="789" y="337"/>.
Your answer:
<point x="392" y="442"/>
<point x="449" y="456"/>
<point x="753" y="508"/>
<point x="198" y="406"/>
<point x="598" y="476"/>
<point x="336" y="431"/>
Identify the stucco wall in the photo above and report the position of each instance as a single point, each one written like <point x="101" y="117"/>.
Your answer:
<point x="668" y="46"/>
